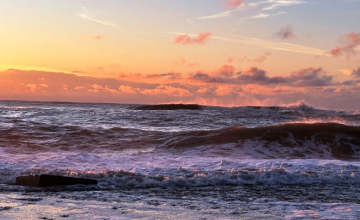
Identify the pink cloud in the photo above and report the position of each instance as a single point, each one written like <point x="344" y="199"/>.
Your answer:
<point x="285" y="33"/>
<point x="230" y="59"/>
<point x="167" y="90"/>
<point x="79" y="87"/>
<point x="258" y="59"/>
<point x="226" y="90"/>
<point x="336" y="52"/>
<point x="262" y="58"/>
<point x="234" y="3"/>
<point x="34" y="87"/>
<point x="94" y="37"/>
<point x="186" y="39"/>
<point x="155" y="78"/>
<point x="203" y="91"/>
<point x="97" y="37"/>
<point x="99" y="88"/>
<point x="350" y="42"/>
<point x="267" y="53"/>
<point x="226" y="71"/>
<point x="185" y="62"/>
<point x="224" y="86"/>
<point x="127" y="89"/>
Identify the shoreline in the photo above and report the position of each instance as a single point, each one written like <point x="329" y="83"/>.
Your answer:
<point x="247" y="202"/>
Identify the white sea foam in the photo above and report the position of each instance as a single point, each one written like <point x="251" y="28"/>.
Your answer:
<point x="144" y="169"/>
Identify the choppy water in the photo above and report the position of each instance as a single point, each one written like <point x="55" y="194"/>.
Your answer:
<point x="204" y="152"/>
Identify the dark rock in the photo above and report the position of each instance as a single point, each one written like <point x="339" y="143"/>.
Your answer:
<point x="30" y="199"/>
<point x="169" y="107"/>
<point x="49" y="180"/>
<point x="2" y="208"/>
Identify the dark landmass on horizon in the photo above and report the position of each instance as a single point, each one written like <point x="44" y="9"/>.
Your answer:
<point x="170" y="107"/>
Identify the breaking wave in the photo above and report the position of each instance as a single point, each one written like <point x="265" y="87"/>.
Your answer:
<point x="292" y="140"/>
<point x="229" y="173"/>
<point x="320" y="140"/>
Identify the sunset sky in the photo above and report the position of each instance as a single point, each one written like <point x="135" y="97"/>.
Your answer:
<point x="209" y="52"/>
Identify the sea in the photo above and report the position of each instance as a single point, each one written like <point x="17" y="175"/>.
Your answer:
<point x="246" y="162"/>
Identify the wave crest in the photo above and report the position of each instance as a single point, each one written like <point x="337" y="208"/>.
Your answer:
<point x="319" y="140"/>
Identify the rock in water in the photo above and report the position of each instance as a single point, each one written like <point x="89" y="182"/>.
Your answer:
<point x="49" y="180"/>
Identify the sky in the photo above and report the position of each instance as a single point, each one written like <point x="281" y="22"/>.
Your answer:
<point x="208" y="52"/>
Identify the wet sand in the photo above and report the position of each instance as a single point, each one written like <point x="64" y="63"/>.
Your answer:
<point x="240" y="202"/>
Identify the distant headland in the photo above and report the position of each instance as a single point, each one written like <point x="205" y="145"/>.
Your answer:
<point x="170" y="107"/>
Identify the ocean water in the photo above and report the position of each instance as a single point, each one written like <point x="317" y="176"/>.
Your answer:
<point x="294" y="162"/>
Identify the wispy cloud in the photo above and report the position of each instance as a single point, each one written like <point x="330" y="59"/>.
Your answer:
<point x="261" y="5"/>
<point x="267" y="44"/>
<point x="274" y="45"/>
<point x="263" y="15"/>
<point x="219" y="15"/>
<point x="88" y="15"/>
<point x="274" y="4"/>
<point x="190" y="22"/>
